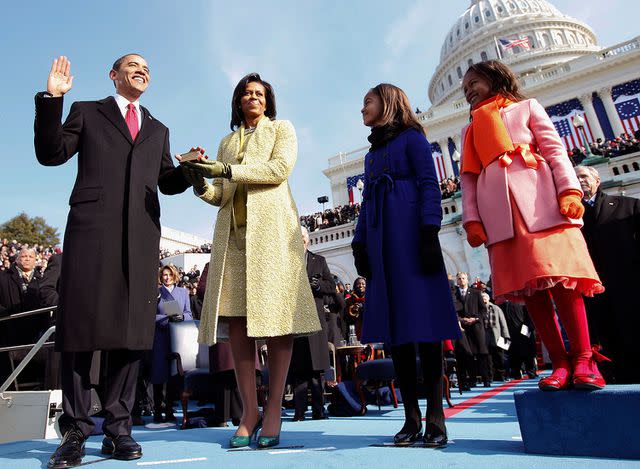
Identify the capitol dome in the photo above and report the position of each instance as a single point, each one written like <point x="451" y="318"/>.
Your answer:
<point x="548" y="38"/>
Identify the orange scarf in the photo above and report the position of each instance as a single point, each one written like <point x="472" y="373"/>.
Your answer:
<point x="487" y="137"/>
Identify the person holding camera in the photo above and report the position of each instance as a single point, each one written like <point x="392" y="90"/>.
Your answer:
<point x="173" y="306"/>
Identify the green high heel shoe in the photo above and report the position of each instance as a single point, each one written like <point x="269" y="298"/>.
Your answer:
<point x="268" y="441"/>
<point x="237" y="441"/>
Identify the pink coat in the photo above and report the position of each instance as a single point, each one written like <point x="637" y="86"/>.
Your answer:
<point x="487" y="197"/>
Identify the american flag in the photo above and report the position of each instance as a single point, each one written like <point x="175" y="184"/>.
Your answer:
<point x="511" y="43"/>
<point x="629" y="112"/>
<point x="438" y="161"/>
<point x="562" y="116"/>
<point x="627" y="100"/>
<point x="352" y="181"/>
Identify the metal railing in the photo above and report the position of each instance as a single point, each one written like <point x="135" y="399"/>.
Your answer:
<point x="33" y="348"/>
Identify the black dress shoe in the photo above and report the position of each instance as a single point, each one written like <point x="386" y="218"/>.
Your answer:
<point x="123" y="447"/>
<point x="70" y="451"/>
<point x="435" y="441"/>
<point x="319" y="416"/>
<point x="157" y="417"/>
<point x="407" y="437"/>
<point x="487" y="384"/>
<point x="298" y="418"/>
<point x="170" y="417"/>
<point x="137" y="420"/>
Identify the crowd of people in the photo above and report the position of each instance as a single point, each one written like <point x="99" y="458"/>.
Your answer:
<point x="331" y="217"/>
<point x="204" y="249"/>
<point x="449" y="186"/>
<point x="9" y="250"/>
<point x="609" y="148"/>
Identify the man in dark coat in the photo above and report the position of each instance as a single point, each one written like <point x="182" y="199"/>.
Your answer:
<point x="522" y="351"/>
<point x="471" y="309"/>
<point x="311" y="354"/>
<point x="612" y="232"/>
<point x="108" y="284"/>
<point x="20" y="292"/>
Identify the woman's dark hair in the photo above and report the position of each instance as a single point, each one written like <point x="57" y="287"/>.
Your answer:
<point x="237" y="117"/>
<point x="396" y="108"/>
<point x="500" y="77"/>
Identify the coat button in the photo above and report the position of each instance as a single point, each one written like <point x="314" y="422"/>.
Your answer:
<point x="386" y="168"/>
<point x="370" y="161"/>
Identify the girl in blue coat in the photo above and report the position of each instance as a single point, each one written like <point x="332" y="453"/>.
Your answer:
<point x="396" y="248"/>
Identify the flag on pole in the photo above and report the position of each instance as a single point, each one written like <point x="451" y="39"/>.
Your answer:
<point x="438" y="161"/>
<point x="511" y="43"/>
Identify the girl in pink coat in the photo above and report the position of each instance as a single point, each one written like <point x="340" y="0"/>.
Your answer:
<point x="521" y="199"/>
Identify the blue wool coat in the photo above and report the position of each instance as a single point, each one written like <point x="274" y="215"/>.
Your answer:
<point x="161" y="344"/>
<point x="401" y="193"/>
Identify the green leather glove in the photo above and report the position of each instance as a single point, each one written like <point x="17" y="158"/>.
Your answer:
<point x="194" y="178"/>
<point x="210" y="169"/>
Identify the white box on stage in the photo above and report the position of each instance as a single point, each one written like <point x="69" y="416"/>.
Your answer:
<point x="28" y="415"/>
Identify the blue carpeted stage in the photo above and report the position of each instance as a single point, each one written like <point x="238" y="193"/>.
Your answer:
<point x="484" y="433"/>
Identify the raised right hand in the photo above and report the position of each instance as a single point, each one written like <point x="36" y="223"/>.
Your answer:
<point x="60" y="79"/>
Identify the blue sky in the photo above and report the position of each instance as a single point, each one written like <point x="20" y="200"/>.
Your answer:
<point x="321" y="57"/>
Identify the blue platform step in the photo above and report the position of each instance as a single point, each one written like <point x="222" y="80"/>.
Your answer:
<point x="576" y="423"/>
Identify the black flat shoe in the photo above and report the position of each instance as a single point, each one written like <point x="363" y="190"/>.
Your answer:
<point x="407" y="438"/>
<point x="70" y="451"/>
<point x="435" y="441"/>
<point x="123" y="447"/>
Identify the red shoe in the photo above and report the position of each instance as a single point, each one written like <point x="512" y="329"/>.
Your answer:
<point x="559" y="379"/>
<point x="586" y="375"/>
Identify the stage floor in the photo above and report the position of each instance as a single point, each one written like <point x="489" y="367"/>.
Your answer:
<point x="483" y="432"/>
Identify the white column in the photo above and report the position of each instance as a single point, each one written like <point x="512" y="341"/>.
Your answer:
<point x="587" y="103"/>
<point x="446" y="157"/>
<point x="612" y="112"/>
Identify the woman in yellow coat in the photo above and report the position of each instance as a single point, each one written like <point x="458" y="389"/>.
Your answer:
<point x="257" y="284"/>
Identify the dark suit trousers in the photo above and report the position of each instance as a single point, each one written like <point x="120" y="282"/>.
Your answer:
<point x="118" y="391"/>
<point x="404" y="362"/>
<point x="301" y="386"/>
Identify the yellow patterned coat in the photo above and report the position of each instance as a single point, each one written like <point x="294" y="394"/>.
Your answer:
<point x="279" y="298"/>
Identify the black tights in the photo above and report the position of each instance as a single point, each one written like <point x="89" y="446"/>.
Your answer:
<point x="404" y="362"/>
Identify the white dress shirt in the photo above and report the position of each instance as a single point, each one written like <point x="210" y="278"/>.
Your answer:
<point x="122" y="105"/>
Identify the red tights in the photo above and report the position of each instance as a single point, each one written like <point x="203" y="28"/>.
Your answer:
<point x="571" y="311"/>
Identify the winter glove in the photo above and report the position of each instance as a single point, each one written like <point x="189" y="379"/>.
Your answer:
<point x="475" y="233"/>
<point x="361" y="259"/>
<point x="210" y="169"/>
<point x="315" y="283"/>
<point x="570" y="202"/>
<point x="194" y="178"/>
<point x="430" y="250"/>
<point x="176" y="318"/>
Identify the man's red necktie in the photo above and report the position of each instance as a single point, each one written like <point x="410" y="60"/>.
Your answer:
<point x="132" y="120"/>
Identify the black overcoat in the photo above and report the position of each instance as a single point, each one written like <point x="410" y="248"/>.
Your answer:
<point x="108" y="283"/>
<point x="612" y="232"/>
<point x="472" y="306"/>
<point x="13" y="299"/>
<point x="315" y="345"/>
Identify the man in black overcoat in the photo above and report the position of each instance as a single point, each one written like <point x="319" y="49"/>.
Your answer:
<point x="108" y="283"/>
<point x="20" y="292"/>
<point x="471" y="309"/>
<point x="311" y="354"/>
<point x="612" y="232"/>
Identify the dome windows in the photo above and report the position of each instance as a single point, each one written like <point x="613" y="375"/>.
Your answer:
<point x="477" y="19"/>
<point x="459" y="72"/>
<point x="470" y="62"/>
<point x="483" y="56"/>
<point x="487" y="13"/>
<point x="466" y="25"/>
<point x="450" y="80"/>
